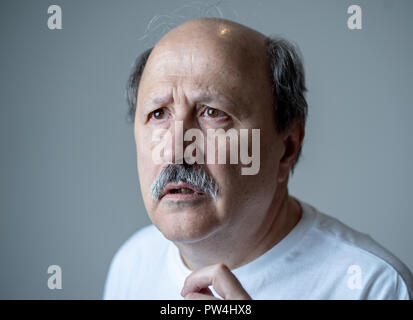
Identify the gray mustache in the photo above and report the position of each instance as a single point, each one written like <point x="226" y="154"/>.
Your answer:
<point x="191" y="174"/>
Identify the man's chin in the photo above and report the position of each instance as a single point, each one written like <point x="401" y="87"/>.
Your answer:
<point x="186" y="226"/>
<point x="179" y="203"/>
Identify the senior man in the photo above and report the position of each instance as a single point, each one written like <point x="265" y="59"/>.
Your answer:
<point x="218" y="233"/>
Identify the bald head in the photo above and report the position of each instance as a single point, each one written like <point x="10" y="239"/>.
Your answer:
<point x="216" y="27"/>
<point x="225" y="38"/>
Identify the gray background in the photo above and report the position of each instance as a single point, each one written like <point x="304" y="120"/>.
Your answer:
<point x="69" y="191"/>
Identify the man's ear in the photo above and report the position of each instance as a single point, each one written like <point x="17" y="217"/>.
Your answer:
<point x="292" y="139"/>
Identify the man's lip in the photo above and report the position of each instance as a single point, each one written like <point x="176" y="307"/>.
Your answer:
<point x="170" y="186"/>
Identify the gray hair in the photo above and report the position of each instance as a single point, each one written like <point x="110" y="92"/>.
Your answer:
<point x="191" y="174"/>
<point x="288" y="84"/>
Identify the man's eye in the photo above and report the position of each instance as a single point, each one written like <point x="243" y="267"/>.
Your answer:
<point x="158" y="114"/>
<point x="213" y="113"/>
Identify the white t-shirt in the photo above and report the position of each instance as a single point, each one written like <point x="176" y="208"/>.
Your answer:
<point x="321" y="258"/>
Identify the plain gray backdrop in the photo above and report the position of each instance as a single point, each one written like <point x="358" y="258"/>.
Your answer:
<point x="69" y="192"/>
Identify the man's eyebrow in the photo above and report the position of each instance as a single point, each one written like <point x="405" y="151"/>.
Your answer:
<point x="206" y="97"/>
<point x="167" y="98"/>
<point x="161" y="100"/>
<point x="157" y="100"/>
<point x="220" y="98"/>
<point x="201" y="97"/>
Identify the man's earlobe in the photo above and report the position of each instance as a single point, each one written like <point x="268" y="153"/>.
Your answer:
<point x="292" y="144"/>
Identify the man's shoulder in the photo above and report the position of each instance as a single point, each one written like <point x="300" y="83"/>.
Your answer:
<point x="360" y="251"/>
<point x="146" y="247"/>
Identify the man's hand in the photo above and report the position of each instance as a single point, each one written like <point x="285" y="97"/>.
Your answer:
<point x="220" y="277"/>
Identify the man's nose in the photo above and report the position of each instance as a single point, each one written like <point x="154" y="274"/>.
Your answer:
<point x="181" y="124"/>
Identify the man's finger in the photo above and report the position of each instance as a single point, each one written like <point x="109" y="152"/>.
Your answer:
<point x="199" y="296"/>
<point x="220" y="278"/>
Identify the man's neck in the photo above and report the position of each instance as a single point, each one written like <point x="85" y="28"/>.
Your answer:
<point x="234" y="249"/>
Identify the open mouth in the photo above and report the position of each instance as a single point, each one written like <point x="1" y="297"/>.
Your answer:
<point x="182" y="191"/>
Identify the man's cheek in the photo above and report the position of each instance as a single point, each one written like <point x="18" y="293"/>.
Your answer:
<point x="145" y="168"/>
